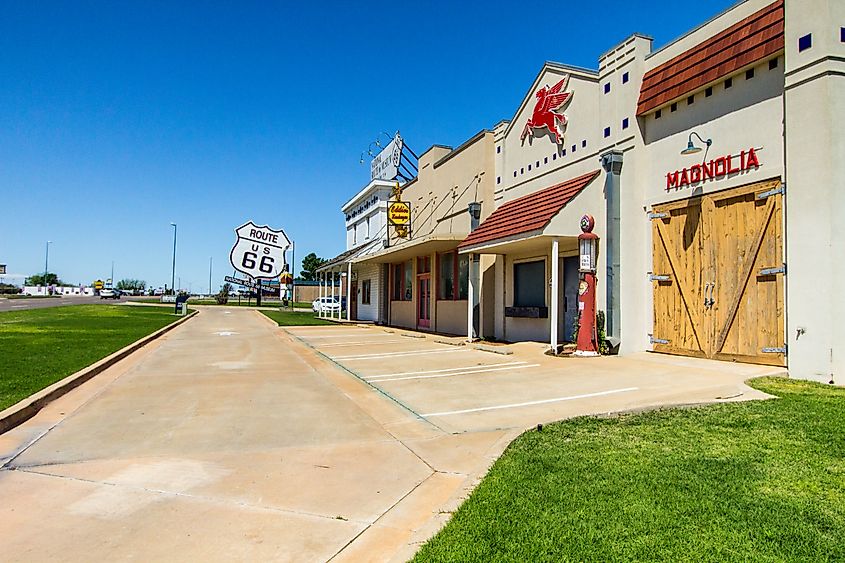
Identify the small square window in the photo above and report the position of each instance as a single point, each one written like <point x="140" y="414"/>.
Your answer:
<point x="563" y="153"/>
<point x="607" y="88"/>
<point x="584" y="143"/>
<point x="658" y="114"/>
<point x="625" y="123"/>
<point x="514" y="173"/>
<point x="625" y="76"/>
<point x="529" y="168"/>
<point x="728" y="83"/>
<point x="546" y="160"/>
<point x="573" y="148"/>
<point x="674" y="107"/>
<point x="708" y="92"/>
<point x="749" y="74"/>
<point x="537" y="165"/>
<point x="498" y="179"/>
<point x="554" y="156"/>
<point x="805" y="42"/>
<point x="690" y="100"/>
<point x="498" y="150"/>
<point x="773" y="64"/>
<point x="522" y="170"/>
<point x="607" y="131"/>
<point x="842" y="34"/>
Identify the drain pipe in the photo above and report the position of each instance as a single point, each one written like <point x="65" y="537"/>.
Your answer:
<point x="611" y="161"/>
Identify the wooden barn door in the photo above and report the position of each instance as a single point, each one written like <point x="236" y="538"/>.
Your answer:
<point x="748" y="297"/>
<point x="718" y="276"/>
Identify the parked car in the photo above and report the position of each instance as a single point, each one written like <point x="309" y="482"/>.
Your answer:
<point x="109" y="293"/>
<point x="326" y="304"/>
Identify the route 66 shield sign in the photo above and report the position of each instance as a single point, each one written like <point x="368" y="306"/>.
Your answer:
<point x="259" y="251"/>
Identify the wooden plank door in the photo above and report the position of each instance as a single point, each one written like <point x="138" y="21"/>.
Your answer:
<point x="748" y="298"/>
<point x="682" y="265"/>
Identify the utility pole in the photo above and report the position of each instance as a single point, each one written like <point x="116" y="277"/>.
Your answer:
<point x="46" y="261"/>
<point x="210" y="263"/>
<point x="173" y="270"/>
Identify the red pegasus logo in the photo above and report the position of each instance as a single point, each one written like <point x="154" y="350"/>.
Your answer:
<point x="550" y="102"/>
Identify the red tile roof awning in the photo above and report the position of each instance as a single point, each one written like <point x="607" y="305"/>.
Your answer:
<point x="754" y="38"/>
<point x="527" y="213"/>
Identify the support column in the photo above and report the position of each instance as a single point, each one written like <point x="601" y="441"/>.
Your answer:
<point x="612" y="163"/>
<point x="555" y="295"/>
<point x="470" y="302"/>
<point x="349" y="291"/>
<point x="320" y="278"/>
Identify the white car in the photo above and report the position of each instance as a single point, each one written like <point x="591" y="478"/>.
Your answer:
<point x="109" y="293"/>
<point x="326" y="304"/>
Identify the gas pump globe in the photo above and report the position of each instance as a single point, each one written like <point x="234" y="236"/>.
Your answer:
<point x="588" y="249"/>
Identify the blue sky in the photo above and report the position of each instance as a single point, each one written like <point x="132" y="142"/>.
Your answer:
<point x="117" y="118"/>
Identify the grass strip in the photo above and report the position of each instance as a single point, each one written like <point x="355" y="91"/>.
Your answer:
<point x="39" y="347"/>
<point x="296" y="318"/>
<point x="754" y="481"/>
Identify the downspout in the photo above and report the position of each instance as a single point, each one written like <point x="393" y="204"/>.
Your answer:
<point x="611" y="161"/>
<point x="474" y="282"/>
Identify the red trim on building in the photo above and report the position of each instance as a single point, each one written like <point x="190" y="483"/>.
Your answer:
<point x="528" y="213"/>
<point x="757" y="37"/>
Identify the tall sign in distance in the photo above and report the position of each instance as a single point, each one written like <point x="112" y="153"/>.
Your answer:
<point x="259" y="252"/>
<point x="385" y="165"/>
<point x="399" y="213"/>
<point x="2" y="269"/>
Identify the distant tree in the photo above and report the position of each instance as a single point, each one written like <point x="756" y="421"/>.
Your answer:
<point x="131" y="284"/>
<point x="309" y="266"/>
<point x="223" y="296"/>
<point x="42" y="279"/>
<point x="9" y="289"/>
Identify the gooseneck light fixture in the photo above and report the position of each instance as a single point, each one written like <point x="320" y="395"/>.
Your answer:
<point x="691" y="148"/>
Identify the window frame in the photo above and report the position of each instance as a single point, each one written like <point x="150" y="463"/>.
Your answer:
<point x="533" y="260"/>
<point x="366" y="292"/>
<point x="456" y="276"/>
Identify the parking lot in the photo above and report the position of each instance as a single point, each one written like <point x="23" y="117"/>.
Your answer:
<point x="461" y="387"/>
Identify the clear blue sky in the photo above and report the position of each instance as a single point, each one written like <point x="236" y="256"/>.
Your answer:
<point x="117" y="118"/>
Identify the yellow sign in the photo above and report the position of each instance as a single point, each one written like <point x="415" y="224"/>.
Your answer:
<point x="98" y="284"/>
<point x="399" y="213"/>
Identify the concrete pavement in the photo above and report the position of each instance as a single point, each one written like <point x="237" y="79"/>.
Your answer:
<point x="230" y="438"/>
<point x="227" y="439"/>
<point x="45" y="302"/>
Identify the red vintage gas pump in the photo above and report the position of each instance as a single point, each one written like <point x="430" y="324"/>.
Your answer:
<point x="588" y="246"/>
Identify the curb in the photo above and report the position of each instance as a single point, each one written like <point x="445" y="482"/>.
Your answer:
<point x="22" y="411"/>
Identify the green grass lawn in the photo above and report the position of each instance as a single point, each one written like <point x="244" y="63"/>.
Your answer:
<point x="758" y="481"/>
<point x="295" y="318"/>
<point x="41" y="346"/>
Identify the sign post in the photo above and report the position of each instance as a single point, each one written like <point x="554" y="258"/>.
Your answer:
<point x="259" y="253"/>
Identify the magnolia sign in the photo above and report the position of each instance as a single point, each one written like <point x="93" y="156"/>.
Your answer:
<point x="714" y="170"/>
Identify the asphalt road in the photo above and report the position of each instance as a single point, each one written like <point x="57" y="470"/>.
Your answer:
<point x="43" y="302"/>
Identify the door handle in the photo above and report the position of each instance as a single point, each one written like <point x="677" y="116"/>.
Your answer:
<point x="711" y="301"/>
<point x="706" y="301"/>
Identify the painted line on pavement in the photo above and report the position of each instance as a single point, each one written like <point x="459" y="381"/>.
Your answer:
<point x="351" y="334"/>
<point x="531" y="403"/>
<point x="395" y="354"/>
<point x="337" y="344"/>
<point x="477" y="366"/>
<point x="469" y="372"/>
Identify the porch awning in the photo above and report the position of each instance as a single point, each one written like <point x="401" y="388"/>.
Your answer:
<point x="525" y="217"/>
<point x="348" y="256"/>
<point x="413" y="248"/>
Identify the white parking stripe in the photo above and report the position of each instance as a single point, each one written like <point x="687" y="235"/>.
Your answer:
<point x="396" y="354"/>
<point x="477" y="366"/>
<point x="531" y="403"/>
<point x="336" y="344"/>
<point x="454" y="374"/>
<point x="350" y="335"/>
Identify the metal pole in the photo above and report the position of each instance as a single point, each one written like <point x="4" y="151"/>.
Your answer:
<point x="173" y="269"/>
<point x="320" y="294"/>
<point x="46" y="261"/>
<point x="293" y="273"/>
<point x="210" y="264"/>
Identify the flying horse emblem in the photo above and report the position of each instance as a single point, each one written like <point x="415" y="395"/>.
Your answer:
<point x="547" y="111"/>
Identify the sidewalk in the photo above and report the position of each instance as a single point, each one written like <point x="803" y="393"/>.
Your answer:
<point x="227" y="439"/>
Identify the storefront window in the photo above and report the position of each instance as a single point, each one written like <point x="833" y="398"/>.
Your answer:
<point x="398" y="282"/>
<point x="409" y="280"/>
<point x="452" y="276"/>
<point x="529" y="284"/>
